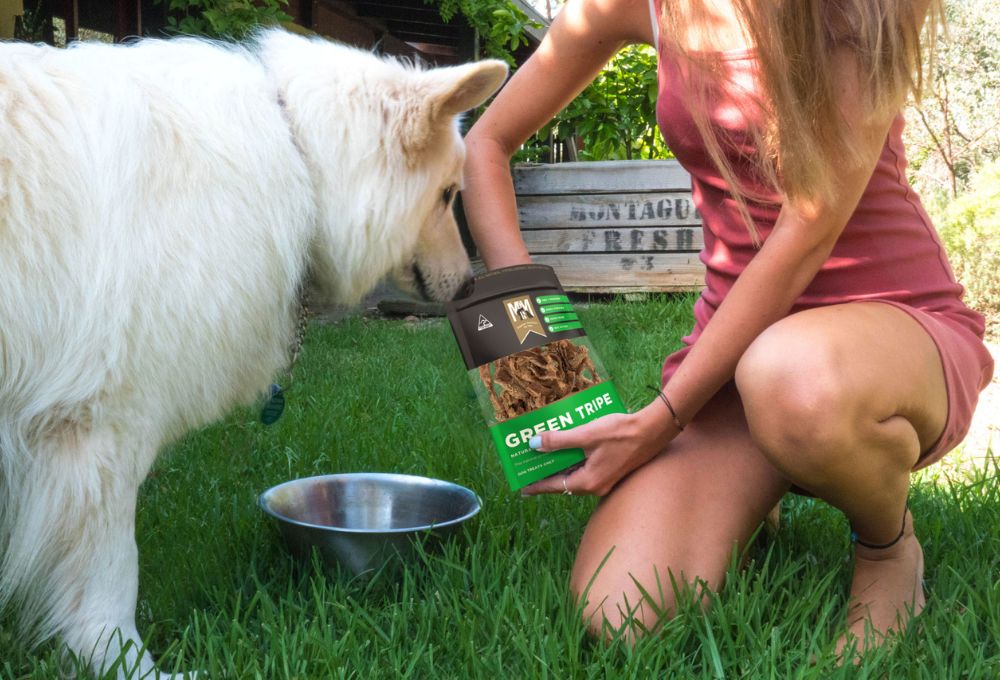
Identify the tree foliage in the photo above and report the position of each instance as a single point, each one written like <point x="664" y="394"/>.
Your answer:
<point x="224" y="19"/>
<point x="501" y="25"/>
<point x="953" y="144"/>
<point x="955" y="128"/>
<point x="614" y="118"/>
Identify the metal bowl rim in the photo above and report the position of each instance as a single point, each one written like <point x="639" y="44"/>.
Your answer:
<point x="261" y="501"/>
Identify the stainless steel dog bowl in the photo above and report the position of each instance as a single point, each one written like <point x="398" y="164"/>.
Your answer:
<point x="361" y="520"/>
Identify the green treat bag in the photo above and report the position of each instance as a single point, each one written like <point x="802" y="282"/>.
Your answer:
<point x="531" y="365"/>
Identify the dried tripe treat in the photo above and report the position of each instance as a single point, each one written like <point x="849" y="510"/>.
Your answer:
<point x="525" y="381"/>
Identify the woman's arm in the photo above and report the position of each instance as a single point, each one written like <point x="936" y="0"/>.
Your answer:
<point x="581" y="40"/>
<point x="799" y="243"/>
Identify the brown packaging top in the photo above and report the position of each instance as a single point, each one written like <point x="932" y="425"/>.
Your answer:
<point x="505" y="312"/>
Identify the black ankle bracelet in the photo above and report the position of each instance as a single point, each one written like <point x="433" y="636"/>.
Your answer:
<point x="873" y="546"/>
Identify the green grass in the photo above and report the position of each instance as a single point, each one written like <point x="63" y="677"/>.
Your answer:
<point x="217" y="591"/>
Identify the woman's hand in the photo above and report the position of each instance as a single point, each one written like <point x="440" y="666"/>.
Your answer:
<point x="615" y="445"/>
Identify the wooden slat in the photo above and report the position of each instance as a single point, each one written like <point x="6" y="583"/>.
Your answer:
<point x="71" y="15"/>
<point x="614" y="240"/>
<point x="626" y="271"/>
<point x="600" y="177"/>
<point x="607" y="210"/>
<point x="128" y="19"/>
<point x="680" y="277"/>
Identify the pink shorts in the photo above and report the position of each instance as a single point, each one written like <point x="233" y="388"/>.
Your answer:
<point x="968" y="369"/>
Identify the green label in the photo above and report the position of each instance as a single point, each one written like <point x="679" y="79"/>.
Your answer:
<point x="560" y="327"/>
<point x="521" y="464"/>
<point x="551" y="299"/>
<point x="558" y="318"/>
<point x="555" y="309"/>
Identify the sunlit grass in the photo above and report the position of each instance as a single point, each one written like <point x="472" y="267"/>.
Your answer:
<point x="219" y="594"/>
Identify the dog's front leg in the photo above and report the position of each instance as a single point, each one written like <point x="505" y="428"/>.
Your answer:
<point x="74" y="548"/>
<point x="100" y="622"/>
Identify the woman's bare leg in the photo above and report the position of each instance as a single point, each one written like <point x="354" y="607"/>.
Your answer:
<point x="842" y="400"/>
<point x="681" y="515"/>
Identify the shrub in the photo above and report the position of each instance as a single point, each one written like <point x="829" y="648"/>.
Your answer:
<point x="225" y="19"/>
<point x="970" y="230"/>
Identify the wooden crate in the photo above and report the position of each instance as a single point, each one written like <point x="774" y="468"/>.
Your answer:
<point x="613" y="226"/>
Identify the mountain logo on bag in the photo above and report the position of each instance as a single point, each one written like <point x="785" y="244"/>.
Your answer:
<point x="522" y="317"/>
<point x="484" y="323"/>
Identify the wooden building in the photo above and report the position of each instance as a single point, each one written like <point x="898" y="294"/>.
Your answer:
<point x="410" y="28"/>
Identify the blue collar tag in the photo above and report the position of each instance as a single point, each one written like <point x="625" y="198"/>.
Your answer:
<point x="274" y="405"/>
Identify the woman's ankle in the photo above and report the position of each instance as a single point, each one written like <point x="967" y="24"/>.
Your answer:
<point x="877" y="548"/>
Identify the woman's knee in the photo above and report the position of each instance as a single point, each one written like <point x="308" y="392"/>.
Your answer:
<point x="799" y="405"/>
<point x="675" y="521"/>
<point x="626" y="606"/>
<point x="623" y="612"/>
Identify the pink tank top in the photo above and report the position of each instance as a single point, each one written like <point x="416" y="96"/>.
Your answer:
<point x="889" y="249"/>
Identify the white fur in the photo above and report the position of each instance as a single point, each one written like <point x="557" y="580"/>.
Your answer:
<point x="160" y="206"/>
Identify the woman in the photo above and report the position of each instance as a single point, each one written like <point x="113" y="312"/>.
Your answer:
<point x="831" y="352"/>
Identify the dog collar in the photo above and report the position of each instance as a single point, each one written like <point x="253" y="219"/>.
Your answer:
<point x="274" y="402"/>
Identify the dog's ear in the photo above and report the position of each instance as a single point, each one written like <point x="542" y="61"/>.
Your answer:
<point x="455" y="89"/>
<point x="443" y="93"/>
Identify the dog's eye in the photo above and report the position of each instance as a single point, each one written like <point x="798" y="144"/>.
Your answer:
<point x="448" y="194"/>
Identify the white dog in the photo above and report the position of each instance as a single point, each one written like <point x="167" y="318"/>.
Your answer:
<point x="160" y="207"/>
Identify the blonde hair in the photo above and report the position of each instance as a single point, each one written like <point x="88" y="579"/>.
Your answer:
<point x="803" y="138"/>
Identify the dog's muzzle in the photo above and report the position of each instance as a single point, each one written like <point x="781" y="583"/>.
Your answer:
<point x="422" y="289"/>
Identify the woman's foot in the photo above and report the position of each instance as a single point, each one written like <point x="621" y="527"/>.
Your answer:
<point x="886" y="591"/>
